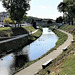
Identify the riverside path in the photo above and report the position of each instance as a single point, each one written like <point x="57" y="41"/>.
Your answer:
<point x="17" y="37"/>
<point x="35" y="67"/>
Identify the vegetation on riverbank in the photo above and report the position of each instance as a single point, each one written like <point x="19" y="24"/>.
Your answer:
<point x="19" y="43"/>
<point x="64" y="63"/>
<point x="9" y="32"/>
<point x="60" y="41"/>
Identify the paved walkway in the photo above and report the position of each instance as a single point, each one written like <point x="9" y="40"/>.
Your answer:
<point x="34" y="68"/>
<point x="17" y="37"/>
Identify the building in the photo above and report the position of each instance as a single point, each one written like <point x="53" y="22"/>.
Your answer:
<point x="3" y="15"/>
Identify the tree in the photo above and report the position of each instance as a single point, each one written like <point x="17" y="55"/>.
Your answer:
<point x="62" y="7"/>
<point x="59" y="20"/>
<point x="34" y="25"/>
<point x="32" y="21"/>
<point x="68" y="8"/>
<point x="24" y="19"/>
<point x="16" y="8"/>
<point x="49" y="22"/>
<point x="8" y="21"/>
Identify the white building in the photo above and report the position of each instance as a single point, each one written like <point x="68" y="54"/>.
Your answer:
<point x="3" y="15"/>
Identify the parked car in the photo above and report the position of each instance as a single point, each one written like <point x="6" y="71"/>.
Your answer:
<point x="1" y="25"/>
<point x="59" y="25"/>
<point x="25" y="24"/>
<point x="7" y="25"/>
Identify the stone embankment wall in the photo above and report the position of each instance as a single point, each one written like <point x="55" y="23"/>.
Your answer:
<point x="17" y="44"/>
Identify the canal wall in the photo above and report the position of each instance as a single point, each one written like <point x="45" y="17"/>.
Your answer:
<point x="17" y="44"/>
<point x="14" y="44"/>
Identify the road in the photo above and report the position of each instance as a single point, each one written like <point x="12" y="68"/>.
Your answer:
<point x="34" y="68"/>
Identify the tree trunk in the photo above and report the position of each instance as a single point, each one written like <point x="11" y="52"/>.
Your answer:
<point x="15" y="25"/>
<point x="72" y="20"/>
<point x="20" y="24"/>
<point x="69" y="20"/>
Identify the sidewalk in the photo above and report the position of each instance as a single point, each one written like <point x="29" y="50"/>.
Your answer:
<point x="34" y="68"/>
<point x="16" y="37"/>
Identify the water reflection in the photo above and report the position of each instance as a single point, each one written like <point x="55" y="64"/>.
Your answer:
<point x="21" y="57"/>
<point x="11" y="62"/>
<point x="20" y="60"/>
<point x="6" y="63"/>
<point x="42" y="45"/>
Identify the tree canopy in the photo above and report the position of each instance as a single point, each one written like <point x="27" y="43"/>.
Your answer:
<point x="59" y="20"/>
<point x="68" y="8"/>
<point x="49" y="21"/>
<point x="8" y="21"/>
<point x="16" y="8"/>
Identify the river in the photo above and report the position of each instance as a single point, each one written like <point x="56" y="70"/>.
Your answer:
<point x="10" y="62"/>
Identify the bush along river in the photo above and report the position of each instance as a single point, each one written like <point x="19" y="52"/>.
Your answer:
<point x="10" y="62"/>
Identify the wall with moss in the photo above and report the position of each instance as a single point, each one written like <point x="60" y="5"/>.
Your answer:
<point x="18" y="43"/>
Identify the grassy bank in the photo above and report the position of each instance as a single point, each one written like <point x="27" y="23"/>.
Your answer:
<point x="9" y="32"/>
<point x="32" y="38"/>
<point x="66" y="65"/>
<point x="60" y="41"/>
<point x="19" y="43"/>
<point x="62" y="64"/>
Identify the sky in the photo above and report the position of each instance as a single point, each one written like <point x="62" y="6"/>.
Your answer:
<point x="42" y="9"/>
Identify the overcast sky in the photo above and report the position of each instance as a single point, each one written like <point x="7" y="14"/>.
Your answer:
<point x="42" y="8"/>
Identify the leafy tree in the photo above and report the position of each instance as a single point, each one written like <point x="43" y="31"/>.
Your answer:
<point x="62" y="7"/>
<point x="49" y="22"/>
<point x="34" y="25"/>
<point x="32" y="21"/>
<point x="59" y="20"/>
<point x="24" y="19"/>
<point x="16" y="8"/>
<point x="8" y="21"/>
<point x="68" y="8"/>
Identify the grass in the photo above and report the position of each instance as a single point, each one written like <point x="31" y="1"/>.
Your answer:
<point x="64" y="64"/>
<point x="33" y="38"/>
<point x="5" y="28"/>
<point x="69" y="26"/>
<point x="61" y="65"/>
<point x="59" y="42"/>
<point x="21" y="42"/>
<point x="37" y="33"/>
<point x="29" y="28"/>
<point x="69" y="66"/>
<point x="62" y="26"/>
<point x="9" y="32"/>
<point x="62" y="37"/>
